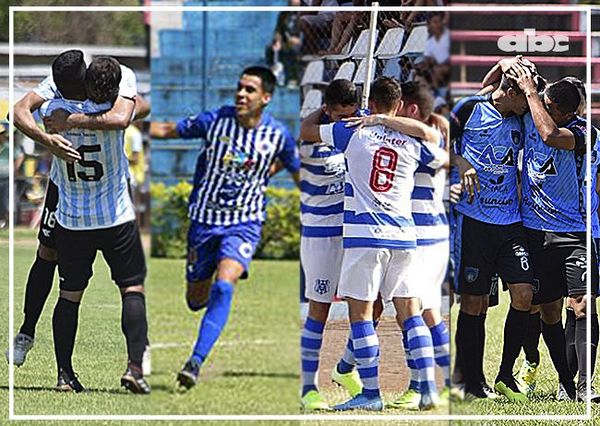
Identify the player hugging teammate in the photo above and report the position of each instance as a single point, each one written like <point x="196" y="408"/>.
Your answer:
<point x="377" y="258"/>
<point x="536" y="243"/>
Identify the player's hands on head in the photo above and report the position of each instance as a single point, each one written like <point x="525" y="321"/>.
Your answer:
<point x="360" y="122"/>
<point x="57" y="121"/>
<point x="525" y="78"/>
<point x="468" y="177"/>
<point x="62" y="148"/>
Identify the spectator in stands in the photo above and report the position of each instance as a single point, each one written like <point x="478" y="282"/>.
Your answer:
<point x="345" y="26"/>
<point x="436" y="64"/>
<point x="283" y="54"/>
<point x="316" y="27"/>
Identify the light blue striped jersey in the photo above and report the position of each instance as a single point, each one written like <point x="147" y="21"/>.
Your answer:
<point x="321" y="190"/>
<point x="490" y="142"/>
<point x="554" y="181"/>
<point x="380" y="178"/>
<point x="428" y="209"/>
<point x="232" y="173"/>
<point x="93" y="192"/>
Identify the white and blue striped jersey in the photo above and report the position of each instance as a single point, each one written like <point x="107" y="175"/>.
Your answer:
<point x="321" y="190"/>
<point x="232" y="172"/>
<point x="93" y="192"/>
<point x="380" y="178"/>
<point x="428" y="209"/>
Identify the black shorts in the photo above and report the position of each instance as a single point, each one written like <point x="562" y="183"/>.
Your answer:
<point x="560" y="264"/>
<point x="121" y="246"/>
<point x="487" y="249"/>
<point x="48" y="222"/>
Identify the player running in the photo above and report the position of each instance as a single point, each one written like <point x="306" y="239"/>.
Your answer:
<point x="227" y="204"/>
<point x="379" y="233"/>
<point x="95" y="212"/>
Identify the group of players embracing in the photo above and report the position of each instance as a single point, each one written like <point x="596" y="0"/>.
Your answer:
<point x="520" y="219"/>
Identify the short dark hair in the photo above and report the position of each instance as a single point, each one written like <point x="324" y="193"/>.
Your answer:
<point x="267" y="78"/>
<point x="102" y="79"/>
<point x="509" y="83"/>
<point x="419" y="94"/>
<point x="341" y="92"/>
<point x="68" y="72"/>
<point x="385" y="92"/>
<point x="565" y="94"/>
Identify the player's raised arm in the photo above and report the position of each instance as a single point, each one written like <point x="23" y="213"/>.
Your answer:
<point x="309" y="129"/>
<point x="406" y="125"/>
<point x="25" y="122"/>
<point x="550" y="132"/>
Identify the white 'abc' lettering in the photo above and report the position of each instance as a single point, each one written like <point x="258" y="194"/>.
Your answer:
<point x="530" y="42"/>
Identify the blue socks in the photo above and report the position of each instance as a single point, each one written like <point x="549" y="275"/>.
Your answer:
<point x="441" y="349"/>
<point x="310" y="348"/>
<point x="421" y="352"/>
<point x="410" y="363"/>
<point x="214" y="320"/>
<point x="366" y="352"/>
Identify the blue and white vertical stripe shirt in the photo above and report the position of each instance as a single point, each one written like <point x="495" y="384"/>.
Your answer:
<point x="429" y="211"/>
<point x="321" y="190"/>
<point x="93" y="192"/>
<point x="232" y="173"/>
<point x="380" y="180"/>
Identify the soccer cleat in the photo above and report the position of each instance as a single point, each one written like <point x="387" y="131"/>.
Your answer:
<point x="489" y="392"/>
<point x="508" y="388"/>
<point x="445" y="395"/>
<point x="197" y="296"/>
<point x="409" y="399"/>
<point x="361" y="402"/>
<point x="349" y="381"/>
<point x="527" y="377"/>
<point x="478" y="391"/>
<point x="22" y="344"/>
<point x="313" y="401"/>
<point x="188" y="376"/>
<point x="147" y="361"/>
<point x="566" y="391"/>
<point x="429" y="401"/>
<point x="68" y="382"/>
<point x="133" y="380"/>
<point x="457" y="392"/>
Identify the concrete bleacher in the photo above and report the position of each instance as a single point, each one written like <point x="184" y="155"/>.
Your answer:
<point x="196" y="68"/>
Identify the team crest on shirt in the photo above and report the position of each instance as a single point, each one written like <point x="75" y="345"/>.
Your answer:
<point x="321" y="286"/>
<point x="471" y="274"/>
<point x="515" y="136"/>
<point x="535" y="286"/>
<point x="496" y="159"/>
<point x="245" y="250"/>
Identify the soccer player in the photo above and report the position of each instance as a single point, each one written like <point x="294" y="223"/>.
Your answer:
<point x="554" y="216"/>
<point x="432" y="253"/>
<point x="321" y="215"/>
<point x="487" y="134"/>
<point x="95" y="212"/>
<point x="68" y="70"/>
<point x="379" y="233"/>
<point x="226" y="207"/>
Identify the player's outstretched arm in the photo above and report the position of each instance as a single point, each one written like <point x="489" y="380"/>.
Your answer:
<point x="309" y="129"/>
<point x="164" y="130"/>
<point x="24" y="121"/>
<point x="550" y="133"/>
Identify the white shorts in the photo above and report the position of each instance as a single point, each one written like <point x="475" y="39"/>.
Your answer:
<point x="426" y="275"/>
<point x="321" y="260"/>
<point x="366" y="272"/>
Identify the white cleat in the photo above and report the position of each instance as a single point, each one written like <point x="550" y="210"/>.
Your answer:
<point x="22" y="344"/>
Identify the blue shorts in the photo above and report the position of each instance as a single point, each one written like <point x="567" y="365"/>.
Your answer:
<point x="209" y="244"/>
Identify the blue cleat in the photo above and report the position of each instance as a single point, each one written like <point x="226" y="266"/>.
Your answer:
<point x="361" y="402"/>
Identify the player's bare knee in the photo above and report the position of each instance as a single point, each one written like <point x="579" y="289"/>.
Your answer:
<point x="229" y="270"/>
<point x="318" y="311"/>
<point x="71" y="296"/>
<point x="551" y="313"/>
<point x="432" y="317"/>
<point x="521" y="296"/>
<point x="472" y="304"/>
<point x="46" y="253"/>
<point x="406" y="307"/>
<point x="535" y="309"/>
<point x="138" y="288"/>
